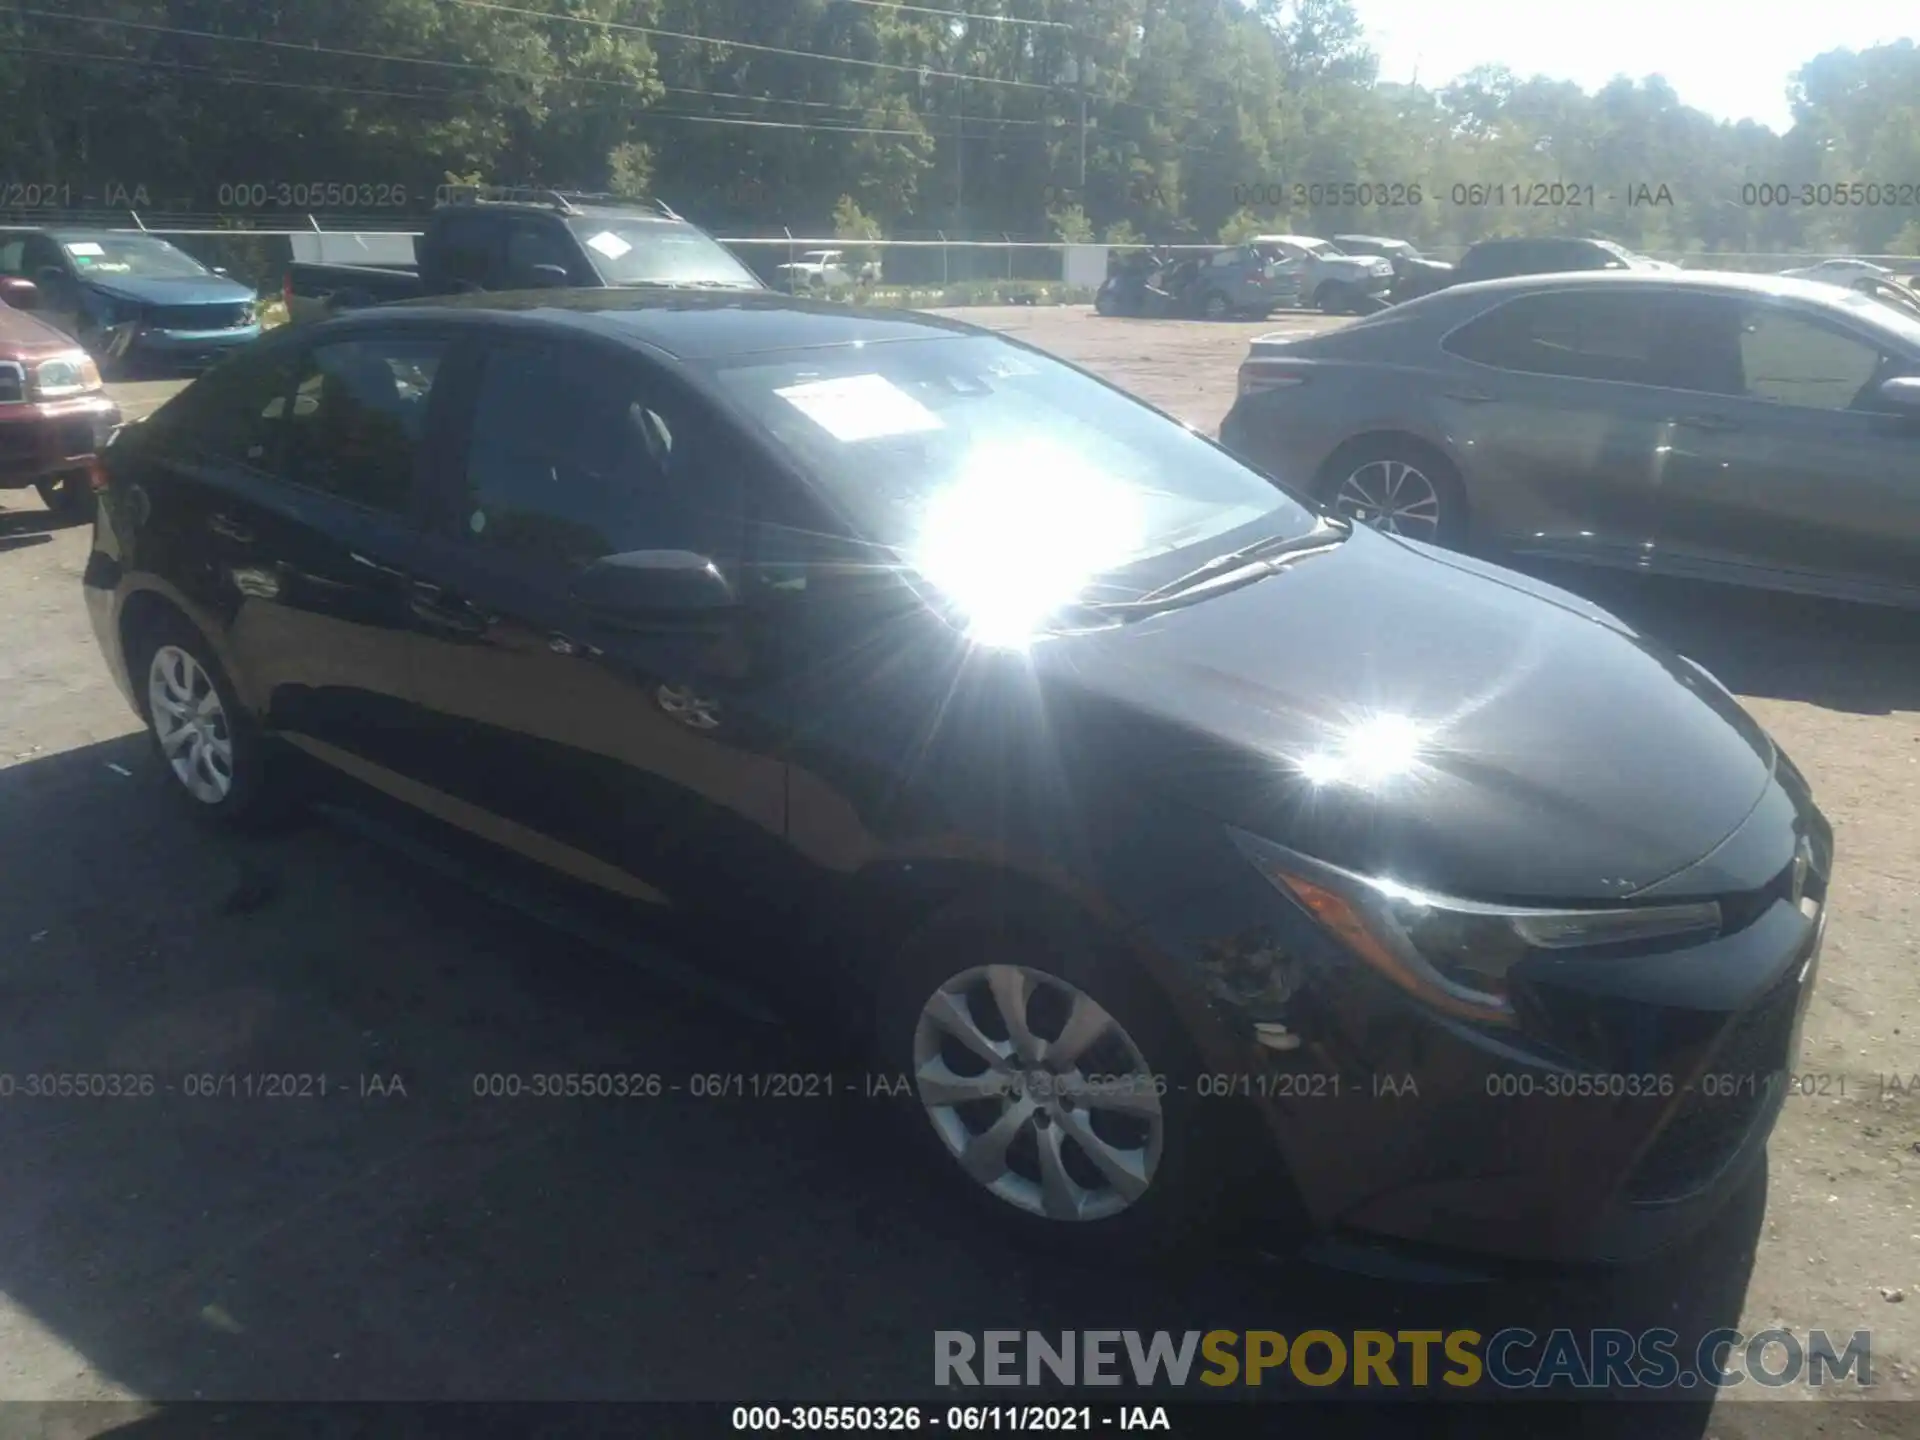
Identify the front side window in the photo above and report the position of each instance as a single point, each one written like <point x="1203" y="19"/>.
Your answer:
<point x="358" y="419"/>
<point x="464" y="249"/>
<point x="570" y="462"/>
<point x="235" y="413"/>
<point x="1579" y="336"/>
<point x="1013" y="482"/>
<point x="1793" y="359"/>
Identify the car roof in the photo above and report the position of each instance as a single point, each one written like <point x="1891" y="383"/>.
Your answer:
<point x="1287" y="239"/>
<point x="1724" y="281"/>
<point x="685" y="324"/>
<point x="1374" y="240"/>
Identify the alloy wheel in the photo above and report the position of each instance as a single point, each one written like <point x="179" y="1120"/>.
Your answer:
<point x="1039" y="1093"/>
<point x="191" y="724"/>
<point x="1393" y="496"/>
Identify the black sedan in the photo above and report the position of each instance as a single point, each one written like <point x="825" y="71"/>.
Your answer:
<point x="1145" y="810"/>
<point x="1749" y="429"/>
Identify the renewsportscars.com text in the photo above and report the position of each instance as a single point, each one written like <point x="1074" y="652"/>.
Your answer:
<point x="1511" y="1359"/>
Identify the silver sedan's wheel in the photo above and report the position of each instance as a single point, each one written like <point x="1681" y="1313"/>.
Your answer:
<point x="1393" y="496"/>
<point x="1039" y="1093"/>
<point x="191" y="724"/>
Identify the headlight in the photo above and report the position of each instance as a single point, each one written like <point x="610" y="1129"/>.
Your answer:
<point x="72" y="373"/>
<point x="1451" y="954"/>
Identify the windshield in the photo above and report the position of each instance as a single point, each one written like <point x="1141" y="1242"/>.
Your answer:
<point x="140" y="256"/>
<point x="1014" y="483"/>
<point x="658" y="252"/>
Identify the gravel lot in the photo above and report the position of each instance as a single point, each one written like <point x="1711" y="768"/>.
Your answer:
<point x="431" y="1245"/>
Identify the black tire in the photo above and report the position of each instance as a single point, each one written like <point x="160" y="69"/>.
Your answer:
<point x="69" y="496"/>
<point x="1435" y="468"/>
<point x="1216" y="306"/>
<point x="258" y="795"/>
<point x="1187" y="1200"/>
<point x="1332" y="299"/>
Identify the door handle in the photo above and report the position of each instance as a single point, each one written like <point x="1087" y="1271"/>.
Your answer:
<point x="432" y="604"/>
<point x="1714" y="423"/>
<point x="229" y="528"/>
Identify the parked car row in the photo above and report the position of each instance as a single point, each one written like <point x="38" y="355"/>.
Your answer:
<point x="1256" y="278"/>
<point x="1132" y="797"/>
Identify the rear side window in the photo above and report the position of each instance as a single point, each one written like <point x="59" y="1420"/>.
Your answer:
<point x="358" y="419"/>
<point x="1582" y="336"/>
<point x="235" y="413"/>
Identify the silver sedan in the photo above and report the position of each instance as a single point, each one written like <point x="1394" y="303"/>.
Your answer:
<point x="1753" y="429"/>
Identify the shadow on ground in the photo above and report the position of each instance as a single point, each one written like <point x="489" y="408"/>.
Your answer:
<point x="402" y="1238"/>
<point x="1859" y="658"/>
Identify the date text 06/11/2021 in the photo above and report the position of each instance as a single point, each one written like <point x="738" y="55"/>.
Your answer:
<point x="959" y="1419"/>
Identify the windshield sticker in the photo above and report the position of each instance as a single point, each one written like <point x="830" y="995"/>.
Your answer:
<point x="1007" y="367"/>
<point x="609" y="244"/>
<point x="85" y="247"/>
<point x="112" y="267"/>
<point x="853" y="408"/>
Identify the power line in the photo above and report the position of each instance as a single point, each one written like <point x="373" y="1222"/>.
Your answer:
<point x="220" y="76"/>
<point x="625" y="27"/>
<point x="963" y="14"/>
<point x="476" y="66"/>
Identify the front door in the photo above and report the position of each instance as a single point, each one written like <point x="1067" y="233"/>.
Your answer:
<point x="1782" y="459"/>
<point x="640" y="757"/>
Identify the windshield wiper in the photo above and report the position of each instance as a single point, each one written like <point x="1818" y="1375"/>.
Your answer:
<point x="1204" y="577"/>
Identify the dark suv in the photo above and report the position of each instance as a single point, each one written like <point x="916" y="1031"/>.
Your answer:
<point x="1502" y="259"/>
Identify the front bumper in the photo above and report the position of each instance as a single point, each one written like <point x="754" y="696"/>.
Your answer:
<point x="1634" y="1099"/>
<point x="38" y="441"/>
<point x="180" y="347"/>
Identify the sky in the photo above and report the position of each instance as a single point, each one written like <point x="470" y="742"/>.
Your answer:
<point x="1727" y="58"/>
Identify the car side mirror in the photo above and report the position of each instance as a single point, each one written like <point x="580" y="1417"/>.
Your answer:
<point x="1902" y="393"/>
<point x="18" y="293"/>
<point x="654" y="584"/>
<point x="542" y="277"/>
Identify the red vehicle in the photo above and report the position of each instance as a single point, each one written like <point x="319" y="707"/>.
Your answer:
<point x="55" y="415"/>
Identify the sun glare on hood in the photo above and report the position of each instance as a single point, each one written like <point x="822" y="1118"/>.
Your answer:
<point x="1374" y="750"/>
<point x="1020" y="531"/>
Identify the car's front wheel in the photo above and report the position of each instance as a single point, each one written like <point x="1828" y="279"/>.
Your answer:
<point x="1049" y="1087"/>
<point x="210" y="746"/>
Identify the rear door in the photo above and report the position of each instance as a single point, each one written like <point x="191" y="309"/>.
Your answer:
<point x="1781" y="457"/>
<point x="296" y="477"/>
<point x="1552" y="399"/>
<point x="644" y="758"/>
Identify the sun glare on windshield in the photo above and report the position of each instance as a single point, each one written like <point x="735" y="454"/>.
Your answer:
<point x="1020" y="531"/>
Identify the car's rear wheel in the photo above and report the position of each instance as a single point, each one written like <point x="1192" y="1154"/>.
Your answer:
<point x="1050" y="1089"/>
<point x="1333" y="299"/>
<point x="210" y="746"/>
<point x="69" y="496"/>
<point x="1399" y="488"/>
<point x="1215" y="306"/>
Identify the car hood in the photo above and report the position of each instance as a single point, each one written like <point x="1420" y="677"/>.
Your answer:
<point x="24" y="336"/>
<point x="171" y="290"/>
<point x="1399" y="711"/>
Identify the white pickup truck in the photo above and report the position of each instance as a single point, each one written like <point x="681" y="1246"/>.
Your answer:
<point x="822" y="270"/>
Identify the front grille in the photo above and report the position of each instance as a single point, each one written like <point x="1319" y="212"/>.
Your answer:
<point x="197" y="317"/>
<point x="1746" y="1069"/>
<point x="73" y="438"/>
